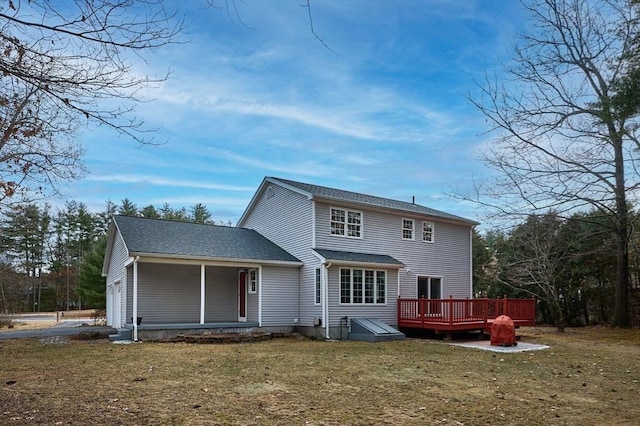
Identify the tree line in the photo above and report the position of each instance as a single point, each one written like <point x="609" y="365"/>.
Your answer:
<point x="51" y="259"/>
<point x="567" y="264"/>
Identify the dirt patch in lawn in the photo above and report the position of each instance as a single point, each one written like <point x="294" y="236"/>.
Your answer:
<point x="588" y="376"/>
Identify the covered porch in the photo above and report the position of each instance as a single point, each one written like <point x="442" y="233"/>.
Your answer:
<point x="171" y="297"/>
<point x="452" y="315"/>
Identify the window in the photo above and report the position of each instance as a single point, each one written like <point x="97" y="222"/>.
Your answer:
<point x="346" y="222"/>
<point x="253" y="281"/>
<point x="407" y="229"/>
<point x="429" y="288"/>
<point x="381" y="288"/>
<point x="362" y="286"/>
<point x="270" y="192"/>
<point x="427" y="232"/>
<point x="318" y="286"/>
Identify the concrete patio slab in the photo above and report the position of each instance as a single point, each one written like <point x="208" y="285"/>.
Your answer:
<point x="486" y="346"/>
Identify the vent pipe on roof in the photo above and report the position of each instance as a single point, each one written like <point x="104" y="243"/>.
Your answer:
<point x="413" y="199"/>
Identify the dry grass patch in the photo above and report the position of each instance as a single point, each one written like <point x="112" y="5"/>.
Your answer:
<point x="588" y="377"/>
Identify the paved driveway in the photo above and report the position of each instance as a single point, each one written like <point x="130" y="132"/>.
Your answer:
<point x="60" y="330"/>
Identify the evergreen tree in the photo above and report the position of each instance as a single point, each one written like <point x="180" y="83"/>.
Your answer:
<point x="91" y="283"/>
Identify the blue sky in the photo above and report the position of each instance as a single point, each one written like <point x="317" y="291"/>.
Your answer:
<point x="385" y="113"/>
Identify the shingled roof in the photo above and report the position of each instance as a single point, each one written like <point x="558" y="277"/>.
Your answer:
<point x="144" y="236"/>
<point x="327" y="193"/>
<point x="363" y="258"/>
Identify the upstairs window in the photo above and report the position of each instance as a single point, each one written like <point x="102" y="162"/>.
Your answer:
<point x="345" y="222"/>
<point x="427" y="232"/>
<point x="407" y="229"/>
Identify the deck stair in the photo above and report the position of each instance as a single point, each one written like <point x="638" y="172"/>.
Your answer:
<point x="373" y="330"/>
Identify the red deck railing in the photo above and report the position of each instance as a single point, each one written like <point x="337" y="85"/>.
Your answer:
<point x="463" y="314"/>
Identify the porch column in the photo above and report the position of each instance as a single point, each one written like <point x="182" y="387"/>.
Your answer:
<point x="202" y="290"/>
<point x="260" y="296"/>
<point x="135" y="299"/>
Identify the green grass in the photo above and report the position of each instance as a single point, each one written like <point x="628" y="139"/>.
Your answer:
<point x="588" y="377"/>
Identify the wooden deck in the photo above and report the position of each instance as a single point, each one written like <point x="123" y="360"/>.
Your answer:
<point x="448" y="315"/>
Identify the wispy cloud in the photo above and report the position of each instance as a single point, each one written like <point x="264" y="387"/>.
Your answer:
<point x="159" y="181"/>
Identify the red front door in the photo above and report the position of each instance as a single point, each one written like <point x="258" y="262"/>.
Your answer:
<point x="242" y="296"/>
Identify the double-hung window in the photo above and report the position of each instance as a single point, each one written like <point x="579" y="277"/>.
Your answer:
<point x="407" y="229"/>
<point x="253" y="281"/>
<point x="427" y="232"/>
<point x="363" y="286"/>
<point x="346" y="222"/>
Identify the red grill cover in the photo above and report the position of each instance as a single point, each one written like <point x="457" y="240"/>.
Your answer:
<point x="503" y="332"/>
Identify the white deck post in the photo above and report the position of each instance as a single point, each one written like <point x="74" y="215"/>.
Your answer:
<point x="202" y="290"/>
<point x="135" y="299"/>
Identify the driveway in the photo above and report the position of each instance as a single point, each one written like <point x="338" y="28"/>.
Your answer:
<point x="59" y="330"/>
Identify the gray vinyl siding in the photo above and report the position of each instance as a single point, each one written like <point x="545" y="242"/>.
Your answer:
<point x="221" y="294"/>
<point x="447" y="257"/>
<point x="129" y="293"/>
<point x="168" y="293"/>
<point x="280" y="296"/>
<point x="171" y="293"/>
<point x="286" y="219"/>
<point x="387" y="313"/>
<point x="116" y="272"/>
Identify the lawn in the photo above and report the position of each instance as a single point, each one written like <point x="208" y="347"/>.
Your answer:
<point x="589" y="376"/>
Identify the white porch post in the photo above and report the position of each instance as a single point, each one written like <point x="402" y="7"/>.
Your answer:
<point x="325" y="298"/>
<point x="202" y="290"/>
<point x="135" y="299"/>
<point x="260" y="296"/>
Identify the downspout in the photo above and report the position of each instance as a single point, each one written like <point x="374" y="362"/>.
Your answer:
<point x="325" y="299"/>
<point x="135" y="299"/>
<point x="471" y="262"/>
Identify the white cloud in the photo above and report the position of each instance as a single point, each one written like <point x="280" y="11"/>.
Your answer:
<point x="159" y="181"/>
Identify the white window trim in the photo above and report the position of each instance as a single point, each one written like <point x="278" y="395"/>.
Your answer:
<point x="252" y="281"/>
<point x="346" y="222"/>
<point x="375" y="287"/>
<point x="429" y="278"/>
<point x="433" y="231"/>
<point x="413" y="229"/>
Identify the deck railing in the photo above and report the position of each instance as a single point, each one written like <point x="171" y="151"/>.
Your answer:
<point x="460" y="313"/>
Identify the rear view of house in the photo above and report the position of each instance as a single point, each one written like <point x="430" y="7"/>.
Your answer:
<point x="323" y="261"/>
<point x="360" y="252"/>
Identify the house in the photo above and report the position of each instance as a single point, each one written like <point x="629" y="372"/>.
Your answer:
<point x="302" y="256"/>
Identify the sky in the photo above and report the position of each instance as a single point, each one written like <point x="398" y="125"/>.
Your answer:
<point x="382" y="109"/>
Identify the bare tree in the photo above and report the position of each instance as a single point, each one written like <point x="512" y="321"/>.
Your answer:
<point x="66" y="64"/>
<point x="562" y="144"/>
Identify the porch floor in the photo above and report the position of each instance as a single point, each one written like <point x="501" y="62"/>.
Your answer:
<point x="192" y="326"/>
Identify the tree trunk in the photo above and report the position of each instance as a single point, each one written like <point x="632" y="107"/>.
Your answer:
<point x="621" y="311"/>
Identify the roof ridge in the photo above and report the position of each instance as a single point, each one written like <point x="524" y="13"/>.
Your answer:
<point x="373" y="200"/>
<point x="172" y="221"/>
